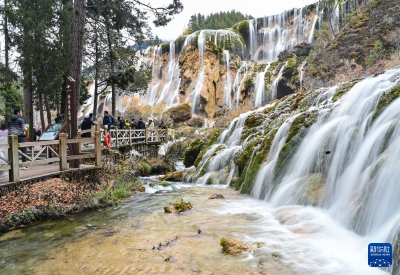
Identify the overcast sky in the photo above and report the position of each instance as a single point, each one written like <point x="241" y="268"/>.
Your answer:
<point x="256" y="8"/>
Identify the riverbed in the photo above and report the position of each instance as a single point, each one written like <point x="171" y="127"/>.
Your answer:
<point x="125" y="239"/>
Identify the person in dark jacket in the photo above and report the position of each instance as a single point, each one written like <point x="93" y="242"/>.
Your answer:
<point x="133" y="124"/>
<point x="141" y="124"/>
<point x="107" y="120"/>
<point x="121" y="123"/>
<point x="87" y="124"/>
<point x="17" y="127"/>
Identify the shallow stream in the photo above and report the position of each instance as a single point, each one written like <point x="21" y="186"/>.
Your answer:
<point x="120" y="240"/>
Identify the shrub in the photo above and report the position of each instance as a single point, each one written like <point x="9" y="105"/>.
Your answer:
<point x="145" y="169"/>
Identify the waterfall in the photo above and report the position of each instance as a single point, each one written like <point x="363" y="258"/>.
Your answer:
<point x="312" y="32"/>
<point x="217" y="165"/>
<point x="237" y="84"/>
<point x="263" y="183"/>
<point x="200" y="78"/>
<point x="260" y="87"/>
<point x="228" y="81"/>
<point x="274" y="86"/>
<point x="360" y="173"/>
<point x="253" y="39"/>
<point x="300" y="69"/>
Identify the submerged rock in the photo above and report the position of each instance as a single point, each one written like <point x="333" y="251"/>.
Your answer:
<point x="233" y="246"/>
<point x="167" y="209"/>
<point x="216" y="196"/>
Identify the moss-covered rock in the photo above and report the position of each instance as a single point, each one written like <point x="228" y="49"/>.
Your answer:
<point x="174" y="177"/>
<point x="145" y="169"/>
<point x="344" y="89"/>
<point x="192" y="152"/>
<point x="160" y="166"/>
<point x="181" y="206"/>
<point x="233" y="246"/>
<point x="386" y="99"/>
<point x="254" y="120"/>
<point x="163" y="184"/>
<point x="246" y="180"/>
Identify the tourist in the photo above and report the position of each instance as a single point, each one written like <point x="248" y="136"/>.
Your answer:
<point x="141" y="124"/>
<point x="163" y="125"/>
<point x="121" y="123"/>
<point x="3" y="151"/>
<point x="150" y="131"/>
<point x="133" y="124"/>
<point x="3" y="130"/>
<point x="17" y="127"/>
<point x="59" y="118"/>
<point x="87" y="124"/>
<point x="107" y="121"/>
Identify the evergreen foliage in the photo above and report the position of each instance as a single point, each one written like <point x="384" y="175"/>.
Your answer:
<point x="214" y="21"/>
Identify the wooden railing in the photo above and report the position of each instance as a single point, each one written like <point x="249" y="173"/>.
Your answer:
<point x="57" y="150"/>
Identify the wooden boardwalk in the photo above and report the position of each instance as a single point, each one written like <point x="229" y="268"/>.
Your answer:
<point x="49" y="158"/>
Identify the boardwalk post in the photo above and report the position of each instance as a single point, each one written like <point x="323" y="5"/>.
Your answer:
<point x="116" y="137"/>
<point x="146" y="135"/>
<point x="97" y="145"/>
<point x="13" y="158"/>
<point x="63" y="151"/>
<point x="130" y="136"/>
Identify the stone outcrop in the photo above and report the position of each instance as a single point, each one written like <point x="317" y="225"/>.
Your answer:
<point x="180" y="113"/>
<point x="303" y="49"/>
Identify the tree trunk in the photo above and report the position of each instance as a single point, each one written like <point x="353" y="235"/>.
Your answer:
<point x="41" y="112"/>
<point x="78" y="28"/>
<point x="65" y="32"/>
<point x="96" y="76"/>
<point x="6" y="37"/>
<point x="48" y="111"/>
<point x="112" y="67"/>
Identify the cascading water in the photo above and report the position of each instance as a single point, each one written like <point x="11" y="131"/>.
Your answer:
<point x="352" y="152"/>
<point x="253" y="39"/>
<point x="263" y="182"/>
<point x="228" y="81"/>
<point x="260" y="87"/>
<point x="237" y="84"/>
<point x="312" y="32"/>
<point x="200" y="78"/>
<point x="274" y="86"/>
<point x="217" y="165"/>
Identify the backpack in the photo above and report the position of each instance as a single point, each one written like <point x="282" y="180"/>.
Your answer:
<point x="114" y="120"/>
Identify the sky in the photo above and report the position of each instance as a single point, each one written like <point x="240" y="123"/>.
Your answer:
<point x="256" y="8"/>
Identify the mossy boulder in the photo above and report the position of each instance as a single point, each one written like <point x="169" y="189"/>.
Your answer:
<point x="192" y="152"/>
<point x="386" y="99"/>
<point x="343" y="90"/>
<point x="180" y="113"/>
<point x="145" y="169"/>
<point x="163" y="184"/>
<point x="181" y="206"/>
<point x="233" y="246"/>
<point x="196" y="122"/>
<point x="254" y="120"/>
<point x="160" y="166"/>
<point x="174" y="177"/>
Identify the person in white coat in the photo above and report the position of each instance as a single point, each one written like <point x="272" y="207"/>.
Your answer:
<point x="150" y="130"/>
<point x="3" y="152"/>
